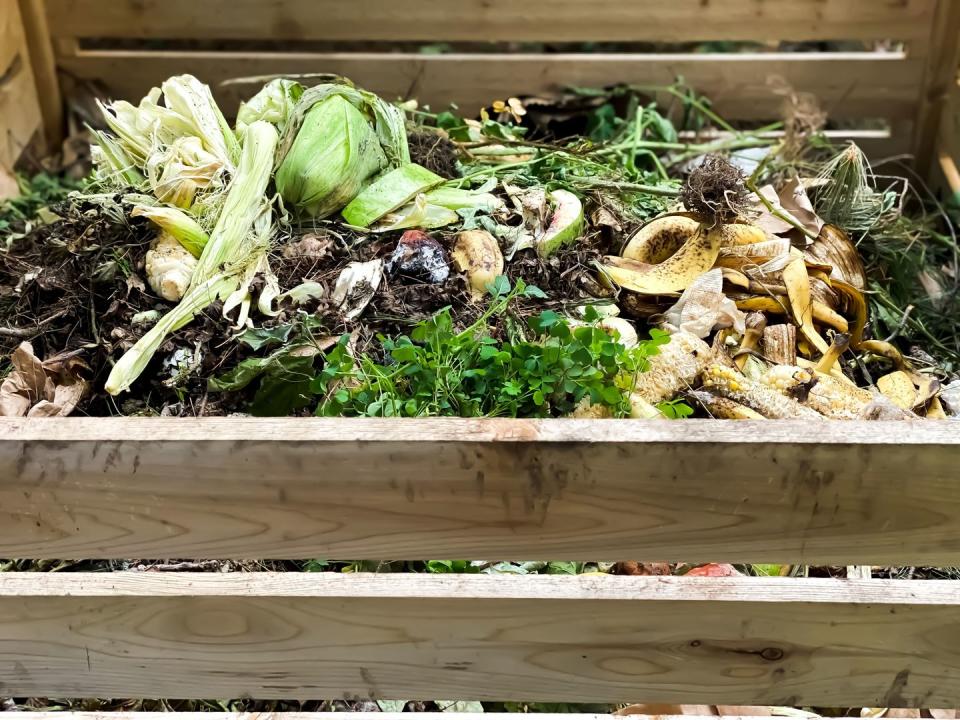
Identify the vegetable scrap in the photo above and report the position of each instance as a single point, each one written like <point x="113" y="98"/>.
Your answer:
<point x="335" y="253"/>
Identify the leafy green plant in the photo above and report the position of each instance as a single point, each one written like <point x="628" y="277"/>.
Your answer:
<point x="36" y="193"/>
<point x="547" y="368"/>
<point x="437" y="370"/>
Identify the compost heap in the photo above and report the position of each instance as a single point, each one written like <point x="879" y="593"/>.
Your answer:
<point x="333" y="253"/>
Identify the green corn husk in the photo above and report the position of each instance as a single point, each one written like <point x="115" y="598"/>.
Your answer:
<point x="177" y="223"/>
<point x="455" y="198"/>
<point x="236" y="243"/>
<point x="388" y="192"/>
<point x="115" y="167"/>
<point x="337" y="137"/>
<point x="418" y="214"/>
<point x="274" y="103"/>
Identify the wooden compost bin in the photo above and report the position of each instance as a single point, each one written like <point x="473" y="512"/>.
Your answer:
<point x="779" y="492"/>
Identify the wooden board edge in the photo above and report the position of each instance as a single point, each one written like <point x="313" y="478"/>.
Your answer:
<point x="132" y="715"/>
<point x="940" y="433"/>
<point x="684" y="20"/>
<point x="582" y="646"/>
<point x="596" y="587"/>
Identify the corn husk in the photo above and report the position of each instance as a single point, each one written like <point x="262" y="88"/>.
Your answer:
<point x="389" y="192"/>
<point x="237" y="242"/>
<point x="337" y="138"/>
<point x="418" y="214"/>
<point x="183" y="227"/>
<point x="273" y="104"/>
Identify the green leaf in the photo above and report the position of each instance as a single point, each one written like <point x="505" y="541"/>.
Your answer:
<point x="532" y="291"/>
<point x="463" y="706"/>
<point x="499" y="287"/>
<point x="240" y="377"/>
<point x="259" y="338"/>
<point x="285" y="387"/>
<point x="393" y="706"/>
<point x="611" y="395"/>
<point x="767" y="570"/>
<point x="563" y="568"/>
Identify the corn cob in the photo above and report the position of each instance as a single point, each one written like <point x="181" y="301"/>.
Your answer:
<point x="721" y="407"/>
<point x="757" y="396"/>
<point x="674" y="368"/>
<point x="824" y="393"/>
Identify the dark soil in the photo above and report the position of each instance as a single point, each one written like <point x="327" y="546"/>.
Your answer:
<point x="434" y="152"/>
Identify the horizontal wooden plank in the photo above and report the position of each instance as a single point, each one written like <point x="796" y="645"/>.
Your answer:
<point x="820" y="493"/>
<point x="127" y="715"/>
<point x="496" y="20"/>
<point x="849" y="85"/>
<point x="744" y="641"/>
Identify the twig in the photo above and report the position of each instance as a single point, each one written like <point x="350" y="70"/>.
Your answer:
<point x="30" y="332"/>
<point x="901" y="325"/>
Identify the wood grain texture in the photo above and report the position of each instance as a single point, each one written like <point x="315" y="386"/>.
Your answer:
<point x="20" y="115"/>
<point x="495" y="20"/>
<point x="857" y="85"/>
<point x="818" y="493"/>
<point x="127" y="715"/>
<point x="44" y="67"/>
<point x="743" y="641"/>
<point x="939" y="83"/>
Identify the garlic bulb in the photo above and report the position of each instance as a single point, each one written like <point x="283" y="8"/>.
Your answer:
<point x="169" y="267"/>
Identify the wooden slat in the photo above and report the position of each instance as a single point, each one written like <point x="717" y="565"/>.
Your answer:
<point x="939" y="82"/>
<point x="20" y="116"/>
<point x="495" y="20"/>
<point x="44" y="68"/>
<point x="744" y="641"/>
<point x="880" y="85"/>
<point x="820" y="493"/>
<point x="127" y="715"/>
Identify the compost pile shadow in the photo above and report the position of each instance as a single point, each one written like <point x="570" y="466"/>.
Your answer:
<point x="332" y="253"/>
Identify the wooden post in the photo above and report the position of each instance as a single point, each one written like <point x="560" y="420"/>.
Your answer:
<point x="44" y="65"/>
<point x="942" y="59"/>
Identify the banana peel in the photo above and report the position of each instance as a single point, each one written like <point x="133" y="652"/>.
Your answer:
<point x="899" y="388"/>
<point x="801" y="305"/>
<point x="674" y="273"/>
<point x="660" y="238"/>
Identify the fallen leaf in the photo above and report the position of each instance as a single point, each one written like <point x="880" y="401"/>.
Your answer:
<point x="37" y="389"/>
<point x="391" y="705"/>
<point x="632" y="567"/>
